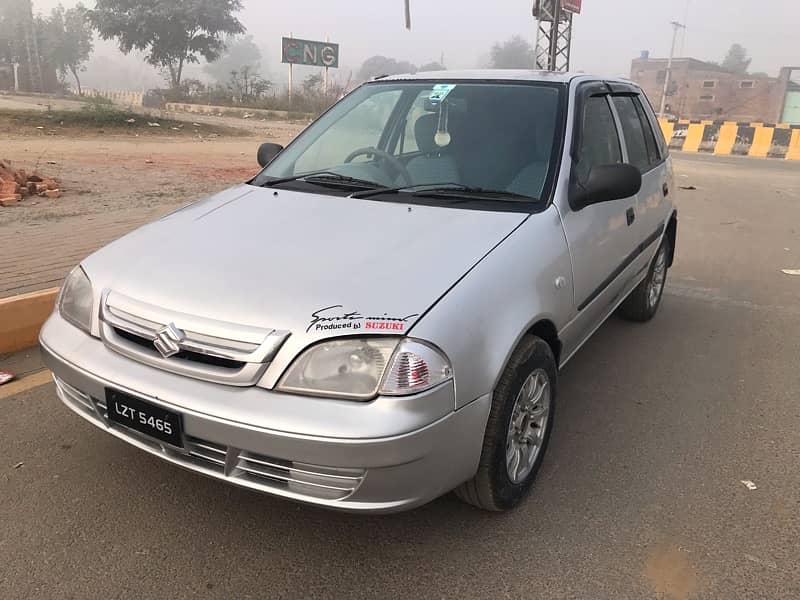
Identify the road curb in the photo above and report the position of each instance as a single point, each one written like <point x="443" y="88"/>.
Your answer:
<point x="21" y="318"/>
<point x="732" y="138"/>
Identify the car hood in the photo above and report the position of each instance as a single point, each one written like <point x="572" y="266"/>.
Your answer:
<point x="306" y="263"/>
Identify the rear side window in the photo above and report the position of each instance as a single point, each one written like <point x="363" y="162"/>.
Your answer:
<point x="599" y="139"/>
<point x="649" y="137"/>
<point x="640" y="155"/>
<point x="644" y="103"/>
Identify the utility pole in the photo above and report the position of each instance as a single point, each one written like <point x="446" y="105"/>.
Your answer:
<point x="668" y="75"/>
<point x="554" y="33"/>
<point x="325" y="80"/>
<point x="685" y="22"/>
<point x="25" y="12"/>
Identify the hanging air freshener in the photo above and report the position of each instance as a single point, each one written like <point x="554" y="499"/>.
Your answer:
<point x="442" y="137"/>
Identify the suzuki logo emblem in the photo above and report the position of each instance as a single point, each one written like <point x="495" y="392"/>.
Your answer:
<point x="168" y="340"/>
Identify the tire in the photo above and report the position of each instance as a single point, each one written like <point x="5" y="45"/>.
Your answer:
<point x="493" y="487"/>
<point x="643" y="302"/>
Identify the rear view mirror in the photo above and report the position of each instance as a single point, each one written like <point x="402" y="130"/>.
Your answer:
<point x="268" y="151"/>
<point x="606" y="183"/>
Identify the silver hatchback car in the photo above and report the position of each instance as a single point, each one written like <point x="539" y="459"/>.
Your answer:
<point x="379" y="316"/>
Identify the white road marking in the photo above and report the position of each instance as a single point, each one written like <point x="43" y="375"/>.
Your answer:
<point x="28" y="382"/>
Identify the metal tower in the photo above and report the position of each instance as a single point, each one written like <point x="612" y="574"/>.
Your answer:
<point x="554" y="33"/>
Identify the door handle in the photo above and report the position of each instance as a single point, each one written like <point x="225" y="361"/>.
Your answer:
<point x="630" y="215"/>
<point x="665" y="188"/>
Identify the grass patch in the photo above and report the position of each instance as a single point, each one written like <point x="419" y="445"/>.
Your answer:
<point x="95" y="118"/>
<point x="97" y="101"/>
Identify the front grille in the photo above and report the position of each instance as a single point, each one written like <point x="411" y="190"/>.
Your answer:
<point x="205" y="359"/>
<point x="236" y="465"/>
<point x="207" y="349"/>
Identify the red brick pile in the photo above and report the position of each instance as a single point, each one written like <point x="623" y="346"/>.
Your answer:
<point x="16" y="184"/>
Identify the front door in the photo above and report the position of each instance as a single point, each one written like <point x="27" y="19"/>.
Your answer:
<point x="601" y="236"/>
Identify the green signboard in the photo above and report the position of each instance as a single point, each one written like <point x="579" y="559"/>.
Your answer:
<point x="308" y="52"/>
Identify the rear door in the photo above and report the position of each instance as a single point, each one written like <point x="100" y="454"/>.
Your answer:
<point x="643" y="151"/>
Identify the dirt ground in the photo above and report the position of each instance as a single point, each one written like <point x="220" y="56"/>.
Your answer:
<point x="102" y="174"/>
<point x="112" y="184"/>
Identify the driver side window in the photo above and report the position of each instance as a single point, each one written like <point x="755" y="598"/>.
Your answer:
<point x="600" y="140"/>
<point x="362" y="127"/>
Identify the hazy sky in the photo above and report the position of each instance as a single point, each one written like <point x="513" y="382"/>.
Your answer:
<point x="607" y="35"/>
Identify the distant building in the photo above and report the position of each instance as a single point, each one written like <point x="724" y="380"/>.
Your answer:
<point x="703" y="90"/>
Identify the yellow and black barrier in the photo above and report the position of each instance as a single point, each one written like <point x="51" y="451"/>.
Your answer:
<point x="765" y="140"/>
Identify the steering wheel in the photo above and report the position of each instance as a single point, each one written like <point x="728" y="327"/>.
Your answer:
<point x="393" y="160"/>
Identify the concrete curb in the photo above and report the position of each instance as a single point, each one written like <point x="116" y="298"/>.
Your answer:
<point x="21" y="318"/>
<point x="726" y="138"/>
<point x="203" y="109"/>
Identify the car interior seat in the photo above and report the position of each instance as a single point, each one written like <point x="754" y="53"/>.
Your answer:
<point x="435" y="164"/>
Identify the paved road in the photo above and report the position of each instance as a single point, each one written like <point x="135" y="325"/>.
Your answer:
<point x="640" y="495"/>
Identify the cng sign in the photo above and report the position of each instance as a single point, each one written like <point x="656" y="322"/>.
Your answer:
<point x="310" y="53"/>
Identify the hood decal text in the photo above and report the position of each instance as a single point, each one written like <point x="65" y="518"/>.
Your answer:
<point x="335" y="317"/>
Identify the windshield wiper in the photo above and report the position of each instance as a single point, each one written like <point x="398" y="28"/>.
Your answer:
<point x="448" y="190"/>
<point x="325" y="177"/>
<point x="465" y="192"/>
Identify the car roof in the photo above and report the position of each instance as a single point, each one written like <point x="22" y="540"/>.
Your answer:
<point x="501" y="75"/>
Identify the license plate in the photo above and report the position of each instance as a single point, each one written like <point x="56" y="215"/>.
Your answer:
<point x="146" y="418"/>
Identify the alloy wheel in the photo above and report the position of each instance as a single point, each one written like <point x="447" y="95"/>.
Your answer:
<point x="528" y="425"/>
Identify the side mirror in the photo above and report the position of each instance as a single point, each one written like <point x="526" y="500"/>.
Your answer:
<point x="606" y="183"/>
<point x="268" y="151"/>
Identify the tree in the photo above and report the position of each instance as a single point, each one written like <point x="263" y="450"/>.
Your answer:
<point x="239" y="53"/>
<point x="247" y="85"/>
<point x="21" y="38"/>
<point x="432" y="66"/>
<point x="170" y="32"/>
<point x="515" y="53"/>
<point x="381" y="65"/>
<point x="312" y="84"/>
<point x="736" y="61"/>
<point x="68" y="41"/>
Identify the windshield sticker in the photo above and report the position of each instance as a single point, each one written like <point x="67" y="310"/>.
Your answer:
<point x="336" y="318"/>
<point x="440" y="92"/>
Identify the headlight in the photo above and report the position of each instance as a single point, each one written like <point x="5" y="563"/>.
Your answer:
<point x="362" y="368"/>
<point x="76" y="300"/>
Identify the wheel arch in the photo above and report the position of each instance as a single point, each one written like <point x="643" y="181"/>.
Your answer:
<point x="546" y="329"/>
<point x="542" y="327"/>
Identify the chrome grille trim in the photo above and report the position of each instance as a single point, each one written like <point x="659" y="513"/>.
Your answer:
<point x="319" y="482"/>
<point x="247" y="457"/>
<point x="251" y="347"/>
<point x="236" y="465"/>
<point x="84" y="400"/>
<point x="288" y="479"/>
<point x="207" y="451"/>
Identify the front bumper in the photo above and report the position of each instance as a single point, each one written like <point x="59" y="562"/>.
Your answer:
<point x="416" y="454"/>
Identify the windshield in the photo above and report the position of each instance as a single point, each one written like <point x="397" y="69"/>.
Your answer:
<point x="488" y="136"/>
